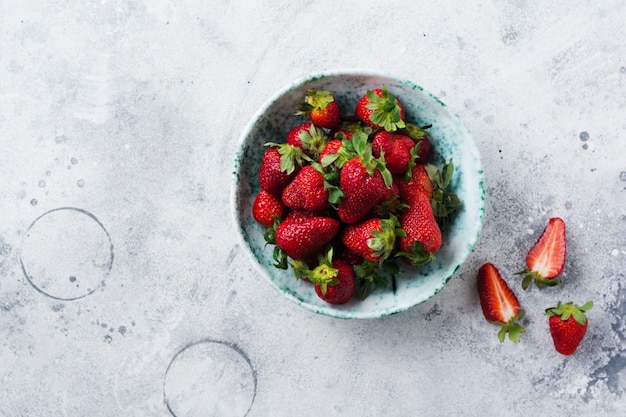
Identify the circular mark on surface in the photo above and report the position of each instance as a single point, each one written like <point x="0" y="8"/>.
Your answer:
<point x="209" y="378"/>
<point x="622" y="176"/>
<point x="66" y="253"/>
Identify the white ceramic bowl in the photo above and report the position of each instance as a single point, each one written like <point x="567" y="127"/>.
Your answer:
<point x="449" y="138"/>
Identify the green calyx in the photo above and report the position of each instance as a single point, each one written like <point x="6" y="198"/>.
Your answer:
<point x="339" y="158"/>
<point x="391" y="205"/>
<point x="315" y="100"/>
<point x="414" y="131"/>
<point x="539" y="280"/>
<point x="289" y="156"/>
<point x="314" y="140"/>
<point x="363" y="148"/>
<point x="444" y="203"/>
<point x="323" y="274"/>
<point x="512" y="328"/>
<point x="368" y="275"/>
<point x="279" y="256"/>
<point x="416" y="255"/>
<point x="383" y="241"/>
<point x="387" y="112"/>
<point x="569" y="309"/>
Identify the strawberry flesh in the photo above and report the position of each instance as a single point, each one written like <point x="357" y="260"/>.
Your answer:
<point x="499" y="303"/>
<point x="546" y="258"/>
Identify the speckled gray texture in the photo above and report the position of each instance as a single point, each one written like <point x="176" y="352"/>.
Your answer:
<point x="129" y="112"/>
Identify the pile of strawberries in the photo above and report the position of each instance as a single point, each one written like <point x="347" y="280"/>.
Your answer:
<point x="545" y="262"/>
<point x="345" y="196"/>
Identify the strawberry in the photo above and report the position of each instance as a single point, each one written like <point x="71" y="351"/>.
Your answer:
<point x="302" y="236"/>
<point x="422" y="233"/>
<point x="568" y="325"/>
<point x="336" y="154"/>
<point x="341" y="288"/>
<point x="546" y="258"/>
<point x="279" y="165"/>
<point x="309" y="138"/>
<point x="333" y="278"/>
<point x="373" y="239"/>
<point x="379" y="108"/>
<point x="307" y="191"/>
<point x="399" y="151"/>
<point x="417" y="183"/>
<point x="267" y="208"/>
<point x="499" y="304"/>
<point x="321" y="107"/>
<point x="363" y="181"/>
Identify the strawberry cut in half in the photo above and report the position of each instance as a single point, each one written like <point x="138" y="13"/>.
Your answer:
<point x="568" y="325"/>
<point x="546" y="258"/>
<point x="499" y="303"/>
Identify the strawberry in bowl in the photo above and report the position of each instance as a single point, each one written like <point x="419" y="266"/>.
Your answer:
<point x="372" y="171"/>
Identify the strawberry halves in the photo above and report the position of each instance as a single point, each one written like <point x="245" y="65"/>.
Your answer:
<point x="499" y="303"/>
<point x="546" y="259"/>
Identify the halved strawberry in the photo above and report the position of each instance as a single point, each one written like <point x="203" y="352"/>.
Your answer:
<point x="499" y="303"/>
<point x="546" y="258"/>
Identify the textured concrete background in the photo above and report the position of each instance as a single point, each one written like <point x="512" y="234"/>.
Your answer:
<point x="118" y="126"/>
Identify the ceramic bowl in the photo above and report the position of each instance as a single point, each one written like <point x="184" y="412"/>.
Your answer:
<point x="450" y="139"/>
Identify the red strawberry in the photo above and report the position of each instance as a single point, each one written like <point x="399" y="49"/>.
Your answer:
<point x="379" y="108"/>
<point x="499" y="304"/>
<point x="279" y="165"/>
<point x="546" y="259"/>
<point x="341" y="288"/>
<point x="307" y="191"/>
<point x="429" y="180"/>
<point x="373" y="239"/>
<point x="363" y="180"/>
<point x="568" y="325"/>
<point x="302" y="236"/>
<point x="321" y="107"/>
<point x="332" y="147"/>
<point x="400" y="152"/>
<point x="418" y="183"/>
<point x="309" y="138"/>
<point x="422" y="233"/>
<point x="361" y="190"/>
<point x="267" y="208"/>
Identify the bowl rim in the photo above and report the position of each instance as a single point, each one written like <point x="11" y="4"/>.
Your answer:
<point x="330" y="310"/>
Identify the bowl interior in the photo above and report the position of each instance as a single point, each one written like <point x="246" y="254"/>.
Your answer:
<point x="450" y="139"/>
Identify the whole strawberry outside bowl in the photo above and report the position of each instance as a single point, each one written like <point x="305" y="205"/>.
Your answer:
<point x="449" y="141"/>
